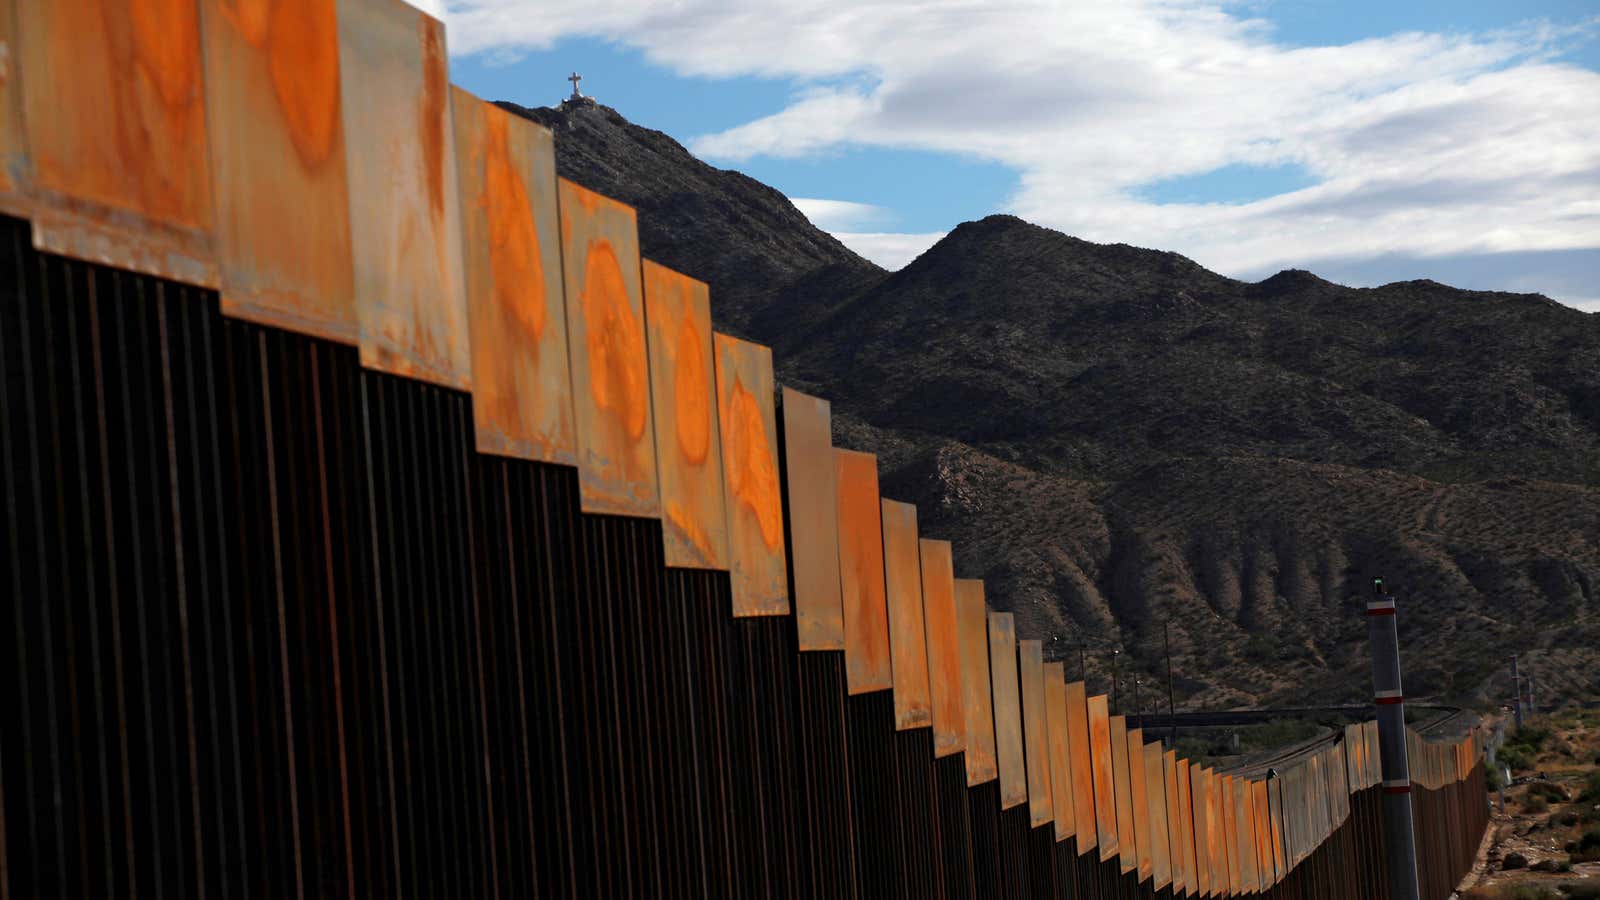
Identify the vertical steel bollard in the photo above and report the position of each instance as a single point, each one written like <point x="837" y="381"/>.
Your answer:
<point x="1399" y="839"/>
<point x="1516" y="691"/>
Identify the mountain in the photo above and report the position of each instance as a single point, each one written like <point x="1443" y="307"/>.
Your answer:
<point x="1118" y="439"/>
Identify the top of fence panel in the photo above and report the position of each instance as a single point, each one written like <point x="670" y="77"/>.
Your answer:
<point x="813" y="520"/>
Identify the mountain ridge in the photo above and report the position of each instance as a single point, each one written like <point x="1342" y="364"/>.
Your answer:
<point x="1116" y="437"/>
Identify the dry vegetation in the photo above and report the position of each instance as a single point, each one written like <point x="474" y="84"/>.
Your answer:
<point x="1546" y="843"/>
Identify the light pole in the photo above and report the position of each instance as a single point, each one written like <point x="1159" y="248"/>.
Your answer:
<point x="1172" y="716"/>
<point x="1116" y="708"/>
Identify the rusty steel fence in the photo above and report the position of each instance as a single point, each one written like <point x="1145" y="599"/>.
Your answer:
<point x="380" y="524"/>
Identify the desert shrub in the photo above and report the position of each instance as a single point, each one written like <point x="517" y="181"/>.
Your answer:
<point x="1517" y="756"/>
<point x="1555" y="793"/>
<point x="1586" y="848"/>
<point x="1535" y="803"/>
<point x="1492" y="777"/>
<point x="1591" y="789"/>
<point x="1530" y="738"/>
<point x="1528" y="892"/>
<point x="1513" y="860"/>
<point x="1581" y="891"/>
<point x="1260" y="649"/>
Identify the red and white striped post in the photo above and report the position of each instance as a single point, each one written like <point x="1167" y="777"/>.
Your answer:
<point x="1399" y="840"/>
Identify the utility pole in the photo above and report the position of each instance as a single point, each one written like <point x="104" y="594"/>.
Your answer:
<point x="1532" y="709"/>
<point x="1116" y="709"/>
<point x="1399" y="839"/>
<point x="1516" y="691"/>
<point x="1138" y="705"/>
<point x="1172" y="717"/>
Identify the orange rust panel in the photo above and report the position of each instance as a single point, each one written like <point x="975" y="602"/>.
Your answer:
<point x="1200" y="828"/>
<point x="1128" y="846"/>
<point x="908" y="642"/>
<point x="606" y="346"/>
<point x="113" y="97"/>
<point x="1216" y="833"/>
<point x="1262" y="821"/>
<point x="758" y="566"/>
<point x="1103" y="763"/>
<point x="13" y="138"/>
<point x="1217" y="854"/>
<point x="511" y="254"/>
<point x="944" y="647"/>
<point x="1374" y="754"/>
<point x="1318" y="799"/>
<point x="1352" y="756"/>
<point x="972" y="632"/>
<point x="1245" y="816"/>
<point x="813" y="521"/>
<point x="405" y="214"/>
<point x="1055" y="700"/>
<point x="1280" y="860"/>
<point x="1007" y="710"/>
<point x="1214" y="836"/>
<point x="866" y="615"/>
<point x="1186" y="830"/>
<point x="1230" y="834"/>
<point x="1175" y="835"/>
<point x="1035" y="727"/>
<point x="1340" y="782"/>
<point x="677" y="316"/>
<point x="1080" y="757"/>
<point x="1155" y="786"/>
<point x="1138" y="774"/>
<point x="278" y="165"/>
<point x="1293" y="812"/>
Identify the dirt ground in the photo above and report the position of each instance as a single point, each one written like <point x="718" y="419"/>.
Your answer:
<point x="1551" y="818"/>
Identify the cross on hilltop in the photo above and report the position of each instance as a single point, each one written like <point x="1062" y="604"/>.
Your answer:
<point x="575" y="78"/>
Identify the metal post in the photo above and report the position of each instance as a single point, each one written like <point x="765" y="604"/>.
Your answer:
<point x="1172" y="717"/>
<point x="1516" y="691"/>
<point x="1138" y="705"/>
<point x="1532" y="709"/>
<point x="1399" y="839"/>
<point x="1116" y="709"/>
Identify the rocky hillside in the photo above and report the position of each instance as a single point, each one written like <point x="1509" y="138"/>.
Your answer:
<point x="1118" y="439"/>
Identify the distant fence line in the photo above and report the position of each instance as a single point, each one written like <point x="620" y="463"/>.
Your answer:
<point x="381" y="524"/>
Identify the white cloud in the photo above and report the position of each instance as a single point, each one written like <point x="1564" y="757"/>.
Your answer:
<point x="892" y="250"/>
<point x="840" y="215"/>
<point x="1422" y="144"/>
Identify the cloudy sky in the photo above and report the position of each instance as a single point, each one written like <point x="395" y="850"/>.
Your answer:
<point x="1367" y="140"/>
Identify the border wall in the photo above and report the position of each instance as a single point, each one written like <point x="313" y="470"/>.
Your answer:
<point x="379" y="523"/>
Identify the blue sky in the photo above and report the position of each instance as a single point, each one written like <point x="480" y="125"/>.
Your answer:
<point x="898" y="181"/>
<point x="1457" y="141"/>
